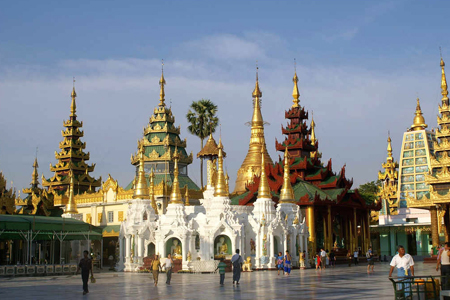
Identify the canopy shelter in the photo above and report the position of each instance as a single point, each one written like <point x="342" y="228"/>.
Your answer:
<point x="39" y="228"/>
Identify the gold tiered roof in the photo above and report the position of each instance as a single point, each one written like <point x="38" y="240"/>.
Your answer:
<point x="252" y="162"/>
<point x="388" y="191"/>
<point x="210" y="150"/>
<point x="439" y="178"/>
<point x="7" y="197"/>
<point x="72" y="157"/>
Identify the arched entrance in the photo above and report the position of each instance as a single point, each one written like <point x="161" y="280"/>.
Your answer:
<point x="276" y="242"/>
<point x="222" y="247"/>
<point x="151" y="249"/>
<point x="175" y="248"/>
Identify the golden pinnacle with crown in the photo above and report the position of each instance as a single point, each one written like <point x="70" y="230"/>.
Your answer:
<point x="286" y="193"/>
<point x="419" y="120"/>
<point x="141" y="188"/>
<point x="175" y="196"/>
<point x="263" y="189"/>
<point x="220" y="190"/>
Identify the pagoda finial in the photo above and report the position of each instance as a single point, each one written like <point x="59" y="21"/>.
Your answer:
<point x="152" y="190"/>
<point x="286" y="193"/>
<point x="419" y="120"/>
<point x="175" y="196"/>
<point x="186" y="197"/>
<point x="35" y="175"/>
<point x="220" y="190"/>
<point x="264" y="189"/>
<point x="71" y="207"/>
<point x="444" y="91"/>
<point x="162" y="82"/>
<point x="257" y="92"/>
<point x="389" y="149"/>
<point x="73" y="105"/>
<point x="295" y="92"/>
<point x="313" y="130"/>
<point x="141" y="188"/>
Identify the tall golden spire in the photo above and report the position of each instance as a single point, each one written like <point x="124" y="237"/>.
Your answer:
<point x="295" y="92"/>
<point x="444" y="91"/>
<point x="71" y="207"/>
<point x="220" y="190"/>
<point x="73" y="105"/>
<point x="162" y="82"/>
<point x="263" y="189"/>
<point x="252" y="162"/>
<point x="419" y="121"/>
<point x="227" y="182"/>
<point x="389" y="150"/>
<point x="286" y="193"/>
<point x="152" y="190"/>
<point x="175" y="196"/>
<point x="313" y="132"/>
<point x="141" y="187"/>
<point x="186" y="197"/>
<point x="35" y="175"/>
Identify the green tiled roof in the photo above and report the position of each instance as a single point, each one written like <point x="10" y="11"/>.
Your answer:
<point x="235" y="199"/>
<point x="334" y="193"/>
<point x="301" y="188"/>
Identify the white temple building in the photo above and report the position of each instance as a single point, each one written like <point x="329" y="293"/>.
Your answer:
<point x="197" y="236"/>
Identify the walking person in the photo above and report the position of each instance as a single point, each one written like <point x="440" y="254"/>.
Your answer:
<point x="280" y="264"/>
<point x="349" y="258"/>
<point x="156" y="267"/>
<point x="318" y="261"/>
<point x="332" y="259"/>
<point x="370" y="260"/>
<point x="85" y="265"/>
<point x="323" y="258"/>
<point x="287" y="263"/>
<point x="444" y="263"/>
<point x="302" y="259"/>
<point x="168" y="266"/>
<point x="237" y="262"/>
<point x="221" y="267"/>
<point x="405" y="267"/>
<point x="355" y="256"/>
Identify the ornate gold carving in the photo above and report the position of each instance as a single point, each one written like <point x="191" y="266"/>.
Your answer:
<point x="156" y="139"/>
<point x="100" y="216"/>
<point x="120" y="217"/>
<point x="88" y="218"/>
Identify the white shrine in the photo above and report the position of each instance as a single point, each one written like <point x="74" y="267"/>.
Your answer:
<point x="199" y="235"/>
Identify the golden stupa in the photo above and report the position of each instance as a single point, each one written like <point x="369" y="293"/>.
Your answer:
<point x="252" y="162"/>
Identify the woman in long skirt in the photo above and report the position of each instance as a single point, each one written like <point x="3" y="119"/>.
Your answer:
<point x="287" y="263"/>
<point x="280" y="262"/>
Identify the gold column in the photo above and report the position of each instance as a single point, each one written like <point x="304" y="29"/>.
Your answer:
<point x="311" y="226"/>
<point x="355" y="230"/>
<point x="434" y="226"/>
<point x="330" y="232"/>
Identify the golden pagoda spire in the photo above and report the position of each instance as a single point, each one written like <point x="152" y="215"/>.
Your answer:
<point x="71" y="207"/>
<point x="175" y="196"/>
<point x="186" y="197"/>
<point x="252" y="161"/>
<point x="313" y="132"/>
<point x="286" y="193"/>
<point x="152" y="190"/>
<point x="73" y="105"/>
<point x="295" y="92"/>
<point x="419" y="120"/>
<point x="444" y="91"/>
<point x="220" y="190"/>
<point x="227" y="182"/>
<point x="162" y="82"/>
<point x="35" y="175"/>
<point x="389" y="150"/>
<point x="264" y="189"/>
<point x="141" y="187"/>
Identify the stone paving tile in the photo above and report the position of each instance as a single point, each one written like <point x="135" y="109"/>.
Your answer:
<point x="339" y="283"/>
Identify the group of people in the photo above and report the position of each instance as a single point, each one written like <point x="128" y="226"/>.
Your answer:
<point x="157" y="267"/>
<point x="284" y="263"/>
<point x="325" y="258"/>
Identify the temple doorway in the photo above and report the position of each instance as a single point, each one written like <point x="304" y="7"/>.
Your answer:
<point x="151" y="250"/>
<point x="222" y="247"/>
<point x="276" y="241"/>
<point x="175" y="248"/>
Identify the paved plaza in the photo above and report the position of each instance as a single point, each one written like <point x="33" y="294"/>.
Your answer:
<point x="339" y="283"/>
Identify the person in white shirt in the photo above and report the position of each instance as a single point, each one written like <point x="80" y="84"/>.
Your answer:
<point x="237" y="262"/>
<point x="405" y="266"/>
<point x="355" y="256"/>
<point x="168" y="266"/>
<point x="323" y="258"/>
<point x="444" y="263"/>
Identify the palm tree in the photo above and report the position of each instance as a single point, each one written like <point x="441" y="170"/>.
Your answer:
<point x="203" y="119"/>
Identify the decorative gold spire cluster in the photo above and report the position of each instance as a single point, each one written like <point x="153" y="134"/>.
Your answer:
<point x="286" y="193"/>
<point x="73" y="105"/>
<point x="419" y="120"/>
<point x="162" y="82"/>
<point x="141" y="188"/>
<point x="175" y="196"/>
<point x="220" y="190"/>
<point x="35" y="175"/>
<point x="263" y="189"/>
<point x="295" y="92"/>
<point x="252" y="162"/>
<point x="444" y="91"/>
<point x="152" y="190"/>
<point x="313" y="131"/>
<point x="71" y="207"/>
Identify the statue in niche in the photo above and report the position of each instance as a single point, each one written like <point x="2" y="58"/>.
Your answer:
<point x="252" y="247"/>
<point x="197" y="242"/>
<point x="222" y="247"/>
<point x="189" y="256"/>
<point x="176" y="249"/>
<point x="264" y="249"/>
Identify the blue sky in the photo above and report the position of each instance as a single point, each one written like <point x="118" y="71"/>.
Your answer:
<point x="361" y="64"/>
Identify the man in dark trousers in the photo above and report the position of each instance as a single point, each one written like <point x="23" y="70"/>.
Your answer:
<point x="237" y="262"/>
<point x="85" y="265"/>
